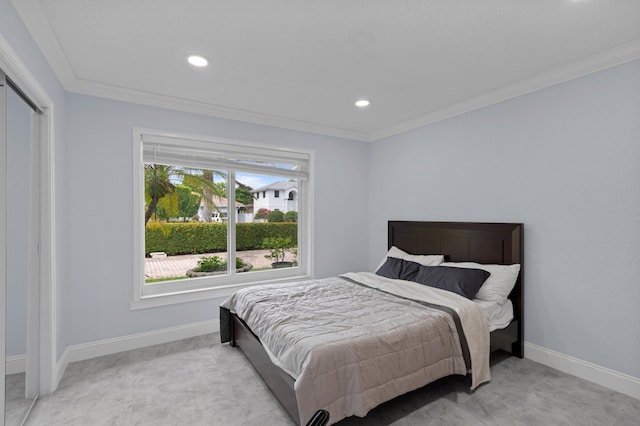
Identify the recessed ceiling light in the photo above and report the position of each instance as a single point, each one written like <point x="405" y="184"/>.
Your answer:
<point x="362" y="103"/>
<point x="197" y="60"/>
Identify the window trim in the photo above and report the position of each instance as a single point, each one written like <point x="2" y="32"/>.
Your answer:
<point x="171" y="292"/>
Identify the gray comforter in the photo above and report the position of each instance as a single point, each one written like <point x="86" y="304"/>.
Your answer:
<point x="351" y="343"/>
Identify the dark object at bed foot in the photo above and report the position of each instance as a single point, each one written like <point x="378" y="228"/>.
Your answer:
<point x="507" y="340"/>
<point x="320" y="418"/>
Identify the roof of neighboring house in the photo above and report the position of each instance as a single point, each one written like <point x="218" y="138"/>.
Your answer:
<point x="222" y="201"/>
<point x="280" y="185"/>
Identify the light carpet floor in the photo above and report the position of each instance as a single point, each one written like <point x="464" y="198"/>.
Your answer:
<point x="16" y="405"/>
<point x="198" y="381"/>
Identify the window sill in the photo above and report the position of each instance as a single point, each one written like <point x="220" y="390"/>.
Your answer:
<point x="202" y="294"/>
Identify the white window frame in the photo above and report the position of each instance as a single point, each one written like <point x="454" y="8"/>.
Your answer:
<point x="178" y="291"/>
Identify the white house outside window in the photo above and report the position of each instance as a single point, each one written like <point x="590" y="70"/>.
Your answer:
<point x="194" y="205"/>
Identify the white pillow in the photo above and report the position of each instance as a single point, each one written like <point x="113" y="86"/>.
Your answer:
<point x="499" y="284"/>
<point x="426" y="260"/>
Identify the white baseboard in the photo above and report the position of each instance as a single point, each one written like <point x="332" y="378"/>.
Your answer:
<point x="608" y="378"/>
<point x="15" y="364"/>
<point x="133" y="341"/>
<point x="602" y="376"/>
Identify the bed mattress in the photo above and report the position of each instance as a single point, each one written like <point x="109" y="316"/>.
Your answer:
<point x="356" y="341"/>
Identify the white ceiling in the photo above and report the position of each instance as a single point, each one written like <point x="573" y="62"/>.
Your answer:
<point x="301" y="64"/>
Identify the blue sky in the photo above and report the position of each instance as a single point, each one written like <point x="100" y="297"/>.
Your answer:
<point x="250" y="179"/>
<point x="256" y="181"/>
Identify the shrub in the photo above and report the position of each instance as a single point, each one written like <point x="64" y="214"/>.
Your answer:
<point x="278" y="247"/>
<point x="249" y="236"/>
<point x="211" y="264"/>
<point x="200" y="237"/>
<point x="276" y="216"/>
<point x="291" y="216"/>
<point x="262" y="214"/>
<point x="216" y="263"/>
<point x="186" y="238"/>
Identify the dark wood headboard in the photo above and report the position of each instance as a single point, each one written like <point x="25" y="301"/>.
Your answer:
<point x="491" y="243"/>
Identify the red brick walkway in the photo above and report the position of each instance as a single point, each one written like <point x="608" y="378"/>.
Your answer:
<point x="177" y="266"/>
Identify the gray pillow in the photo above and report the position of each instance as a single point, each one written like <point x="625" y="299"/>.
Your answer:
<point x="398" y="269"/>
<point x="463" y="281"/>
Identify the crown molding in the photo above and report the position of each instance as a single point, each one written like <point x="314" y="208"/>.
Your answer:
<point x="607" y="59"/>
<point x="36" y="21"/>
<point x="591" y="64"/>
<point x="85" y="87"/>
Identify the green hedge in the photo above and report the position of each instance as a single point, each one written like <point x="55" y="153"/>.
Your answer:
<point x="200" y="237"/>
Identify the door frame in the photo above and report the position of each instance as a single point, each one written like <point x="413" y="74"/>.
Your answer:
<point x="41" y="307"/>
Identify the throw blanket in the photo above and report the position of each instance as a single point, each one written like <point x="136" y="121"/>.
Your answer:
<point x="351" y="347"/>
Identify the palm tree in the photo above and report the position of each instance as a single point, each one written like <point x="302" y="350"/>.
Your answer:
<point x="158" y="183"/>
<point x="207" y="196"/>
<point x="202" y="183"/>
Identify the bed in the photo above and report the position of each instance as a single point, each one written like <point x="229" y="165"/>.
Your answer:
<point x="483" y="243"/>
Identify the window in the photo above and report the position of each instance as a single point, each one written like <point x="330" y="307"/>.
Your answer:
<point x="276" y="194"/>
<point x="195" y="235"/>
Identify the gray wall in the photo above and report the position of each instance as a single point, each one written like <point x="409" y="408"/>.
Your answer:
<point x="565" y="161"/>
<point x="98" y="198"/>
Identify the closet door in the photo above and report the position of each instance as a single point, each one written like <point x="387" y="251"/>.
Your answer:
<point x="19" y="258"/>
<point x="19" y="86"/>
<point x="19" y="212"/>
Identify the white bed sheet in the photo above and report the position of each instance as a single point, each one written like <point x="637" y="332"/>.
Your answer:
<point x="499" y="315"/>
